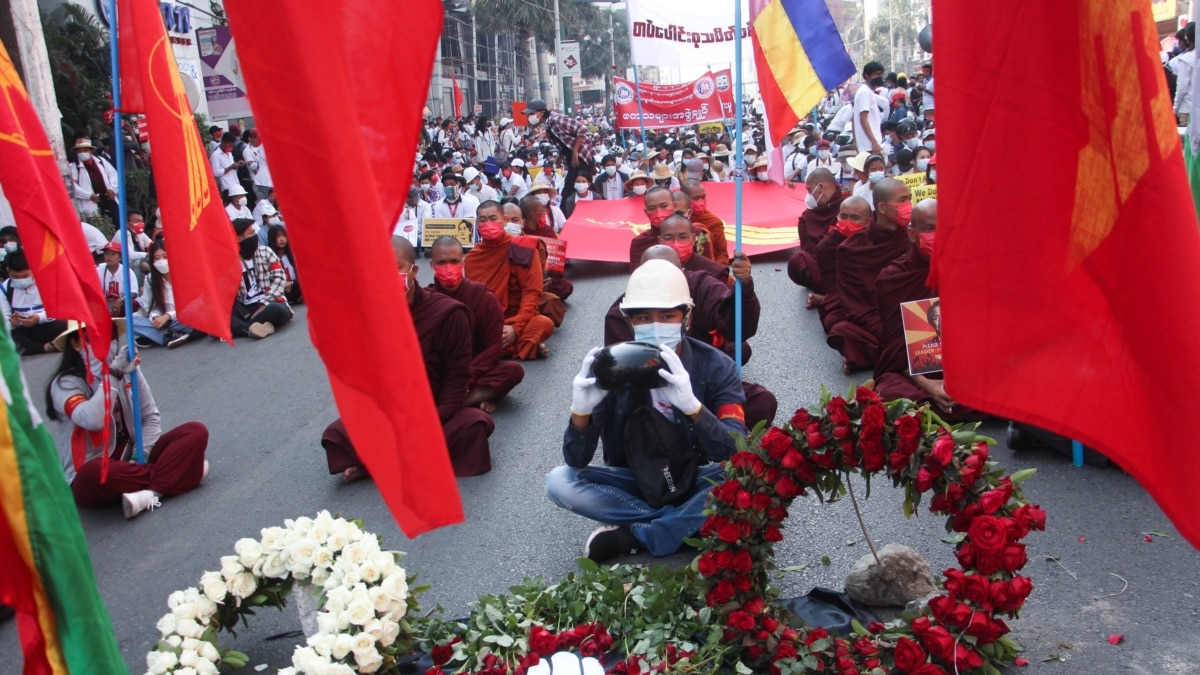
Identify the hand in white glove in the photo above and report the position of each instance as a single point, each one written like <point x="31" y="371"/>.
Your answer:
<point x="585" y="394"/>
<point x="679" y="384"/>
<point x="120" y="365"/>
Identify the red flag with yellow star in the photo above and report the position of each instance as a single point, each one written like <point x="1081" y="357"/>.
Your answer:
<point x="51" y="235"/>
<point x="1069" y="294"/>
<point x="205" y="267"/>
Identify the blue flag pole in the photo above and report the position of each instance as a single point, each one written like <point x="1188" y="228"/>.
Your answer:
<point x="637" y="87"/>
<point x="737" y="179"/>
<point x="122" y="228"/>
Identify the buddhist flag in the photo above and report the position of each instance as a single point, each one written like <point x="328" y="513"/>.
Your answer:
<point x="341" y="217"/>
<point x="50" y="231"/>
<point x="205" y="267"/>
<point x="1076" y="311"/>
<point x="63" y="624"/>
<point x="799" y="56"/>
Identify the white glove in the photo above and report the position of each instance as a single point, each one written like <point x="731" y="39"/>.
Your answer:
<point x="679" y="384"/>
<point x="585" y="395"/>
<point x="121" y="365"/>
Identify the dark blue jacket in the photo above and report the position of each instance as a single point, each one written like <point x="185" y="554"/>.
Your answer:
<point x="715" y="383"/>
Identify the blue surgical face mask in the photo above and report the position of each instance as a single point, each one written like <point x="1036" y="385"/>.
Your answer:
<point x="823" y="154"/>
<point x="933" y="175"/>
<point x="875" y="177"/>
<point x="931" y="144"/>
<point x="922" y="164"/>
<point x="23" y="284"/>
<point x="666" y="335"/>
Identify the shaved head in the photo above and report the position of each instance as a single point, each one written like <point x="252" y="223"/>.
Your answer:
<point x="405" y="254"/>
<point x="445" y="249"/>
<point x="682" y="201"/>
<point x="662" y="252"/>
<point x="675" y="224"/>
<point x="925" y="212"/>
<point x="817" y="176"/>
<point x="856" y="210"/>
<point x="889" y="190"/>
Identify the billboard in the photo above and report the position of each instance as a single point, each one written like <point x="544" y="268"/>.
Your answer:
<point x="223" y="86"/>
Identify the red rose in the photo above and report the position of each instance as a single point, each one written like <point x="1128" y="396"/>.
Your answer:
<point x="873" y="454"/>
<point x="786" y="488"/>
<point x="743" y="460"/>
<point x="1030" y="517"/>
<point x="776" y="442"/>
<point x="441" y="654"/>
<point x="986" y="628"/>
<point x="742" y="562"/>
<point x="791" y="459"/>
<point x="954" y="582"/>
<point x="1010" y="596"/>
<point x="742" y="500"/>
<point x="988" y="534"/>
<point x="771" y="475"/>
<point x="725" y="559"/>
<point x="1014" y="557"/>
<point x="818" y="633"/>
<point x="729" y="533"/>
<point x="825" y="460"/>
<point x="590" y="648"/>
<point x="785" y="650"/>
<point x="943" y="450"/>
<point x="949" y="612"/>
<point x="977" y="589"/>
<point x="769" y="624"/>
<point x="754" y="606"/>
<point x="542" y="641"/>
<point x="772" y="534"/>
<point x="760" y="502"/>
<point x="966" y="659"/>
<point x="992" y="500"/>
<point x="909" y="655"/>
<point x="924" y="480"/>
<point x="742" y="583"/>
<point x="908" y="432"/>
<point x="817" y="440"/>
<point x="939" y="642"/>
<point x="805" y="472"/>
<point x="873" y="419"/>
<point x="740" y="621"/>
<point x="980" y="450"/>
<point x="721" y="593"/>
<point x="849" y="454"/>
<point x="711" y="525"/>
<point x="841" y="432"/>
<point x="569" y="639"/>
<point x="928" y="669"/>
<point x="845" y="666"/>
<point x="963" y="520"/>
<point x="707" y="564"/>
<point x="988" y="564"/>
<point x="839" y="417"/>
<point x="865" y="646"/>
<point x="865" y="396"/>
<point x="897" y="461"/>
<point x="800" y="419"/>
<point x="921" y="625"/>
<point x="777" y="513"/>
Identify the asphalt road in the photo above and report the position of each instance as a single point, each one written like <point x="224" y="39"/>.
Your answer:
<point x="266" y="403"/>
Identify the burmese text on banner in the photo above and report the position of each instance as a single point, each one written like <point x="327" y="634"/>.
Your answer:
<point x="1080" y="319"/>
<point x="684" y="32"/>
<point x="602" y="229"/>
<point x="375" y="370"/>
<point x="709" y="98"/>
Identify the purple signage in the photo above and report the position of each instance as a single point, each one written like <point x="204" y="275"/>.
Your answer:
<point x="223" y="85"/>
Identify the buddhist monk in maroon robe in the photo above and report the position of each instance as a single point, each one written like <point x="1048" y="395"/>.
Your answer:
<point x="659" y="205"/>
<point x="711" y="321"/>
<point x="855" y="322"/>
<point x="712" y="224"/>
<point x="678" y="233"/>
<point x="513" y="274"/>
<point x="815" y="224"/>
<point x="905" y="280"/>
<point x="855" y="214"/>
<point x="443" y="329"/>
<point x="700" y="233"/>
<point x="491" y="379"/>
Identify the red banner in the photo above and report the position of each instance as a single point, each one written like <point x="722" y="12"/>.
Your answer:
<point x="601" y="230"/>
<point x="707" y="99"/>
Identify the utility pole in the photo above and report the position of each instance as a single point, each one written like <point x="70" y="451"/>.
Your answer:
<point x="612" y="49"/>
<point x="566" y="81"/>
<point x="892" y="35"/>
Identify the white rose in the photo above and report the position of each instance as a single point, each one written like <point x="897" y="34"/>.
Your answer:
<point x="368" y="662"/>
<point x="188" y="657"/>
<point x="275" y="566"/>
<point x="192" y="644"/>
<point x="319" y="576"/>
<point x="342" y="645"/>
<point x="369" y="572"/>
<point x="303" y="551"/>
<point x="380" y="599"/>
<point x="207" y="668"/>
<point x="174" y="599"/>
<point x="188" y="628"/>
<point x="355" y="553"/>
<point x="360" y="611"/>
<point x="385" y="562"/>
<point x="174" y="641"/>
<point x="205" y="609"/>
<point x="306" y="660"/>
<point x="323" y="519"/>
<point x="209" y="651"/>
<point x="319" y="533"/>
<point x="337" y="541"/>
<point x="185" y="611"/>
<point x="322" y="557"/>
<point x="362" y="643"/>
<point x="270" y="538"/>
<point x="249" y="551"/>
<point x="337" y="669"/>
<point x="397" y="610"/>
<point x="351" y="577"/>
<point x="190" y="594"/>
<point x="374" y="627"/>
<point x="243" y="585"/>
<point x="391" y="631"/>
<point x="230" y="566"/>
<point x="214" y="586"/>
<point x="166" y="625"/>
<point x="186" y="671"/>
<point x="396" y="585"/>
<point x="343" y="622"/>
<point x="322" y="643"/>
<point x="327" y="622"/>
<point x="161" y="662"/>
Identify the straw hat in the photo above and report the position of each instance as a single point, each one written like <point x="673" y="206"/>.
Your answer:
<point x="60" y="342"/>
<point x="721" y="151"/>
<point x="540" y="185"/>
<point x="635" y="177"/>
<point x="859" y="161"/>
<point x="661" y="172"/>
<point x="761" y="161"/>
<point x="717" y="166"/>
<point x="83" y="143"/>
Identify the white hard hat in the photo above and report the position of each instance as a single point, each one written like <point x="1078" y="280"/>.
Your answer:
<point x="470" y="174"/>
<point x="657" y="284"/>
<point x="237" y="191"/>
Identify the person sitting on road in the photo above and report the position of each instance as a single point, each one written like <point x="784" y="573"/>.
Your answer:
<point x="237" y="207"/>
<point x="157" y="323"/>
<point x="261" y="305"/>
<point x="703" y="401"/>
<point x="112" y="282"/>
<point x="277" y="241"/>
<point x="175" y="460"/>
<point x="33" y="331"/>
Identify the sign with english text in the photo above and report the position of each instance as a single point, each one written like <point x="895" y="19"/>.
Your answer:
<point x="686" y="32"/>
<point x="674" y="105"/>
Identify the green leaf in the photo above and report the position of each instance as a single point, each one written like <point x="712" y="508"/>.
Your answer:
<point x="1054" y="657"/>
<point x="500" y="640"/>
<point x="1159" y="533"/>
<point x="1022" y="475"/>
<point x="825" y="560"/>
<point x="955" y="538"/>
<point x="743" y="668"/>
<point x="793" y="568"/>
<point x="858" y="627"/>
<point x="587" y="564"/>
<point x="851" y="542"/>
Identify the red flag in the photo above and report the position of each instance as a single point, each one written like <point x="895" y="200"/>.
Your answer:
<point x="1074" y="311"/>
<point x="458" y="96"/>
<point x="50" y="232"/>
<point x="342" y="218"/>
<point x="205" y="268"/>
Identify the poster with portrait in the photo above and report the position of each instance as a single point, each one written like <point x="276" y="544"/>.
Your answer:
<point x="462" y="229"/>
<point x="923" y="335"/>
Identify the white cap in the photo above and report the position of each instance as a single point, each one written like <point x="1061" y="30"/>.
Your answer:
<point x="237" y="191"/>
<point x="656" y="284"/>
<point x="518" y="162"/>
<point x="470" y="174"/>
<point x="505" y="120"/>
<point x="268" y="209"/>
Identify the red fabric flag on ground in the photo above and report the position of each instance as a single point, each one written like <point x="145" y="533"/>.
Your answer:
<point x="458" y="95"/>
<point x="50" y="232"/>
<point x="342" y="200"/>
<point x="205" y="268"/>
<point x="1075" y="312"/>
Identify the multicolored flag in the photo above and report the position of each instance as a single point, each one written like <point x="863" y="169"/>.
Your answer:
<point x="205" y="268"/>
<point x="50" y="232"/>
<point x="799" y="56"/>
<point x="48" y="579"/>
<point x="1076" y="314"/>
<point x="375" y="370"/>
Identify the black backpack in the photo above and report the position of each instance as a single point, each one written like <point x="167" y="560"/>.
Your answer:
<point x="663" y="463"/>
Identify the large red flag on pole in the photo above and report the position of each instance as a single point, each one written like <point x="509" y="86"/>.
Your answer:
<point x="50" y="232"/>
<point x="1075" y="311"/>
<point x="205" y="268"/>
<point x="342" y="200"/>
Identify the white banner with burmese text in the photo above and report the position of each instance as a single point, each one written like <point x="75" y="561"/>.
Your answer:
<point x="686" y="32"/>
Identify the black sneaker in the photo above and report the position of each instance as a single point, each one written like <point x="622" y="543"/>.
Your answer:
<point x="144" y="342"/>
<point x="176" y="339"/>
<point x="611" y="541"/>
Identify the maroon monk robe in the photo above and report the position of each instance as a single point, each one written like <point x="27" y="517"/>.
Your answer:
<point x="860" y="259"/>
<point x="639" y="244"/>
<point x="816" y="223"/>
<point x="650" y="238"/>
<point x="826" y="259"/>
<point x="487" y="329"/>
<point x="904" y="281"/>
<point x="444" y="331"/>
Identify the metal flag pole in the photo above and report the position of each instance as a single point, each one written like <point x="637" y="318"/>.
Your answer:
<point x="637" y="86"/>
<point x="122" y="228"/>
<point x="737" y="179"/>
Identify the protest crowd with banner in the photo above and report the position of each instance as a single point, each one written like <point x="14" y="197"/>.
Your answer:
<point x="832" y="163"/>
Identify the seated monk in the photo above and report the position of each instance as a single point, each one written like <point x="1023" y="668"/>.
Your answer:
<point x="678" y="233"/>
<point x="711" y="321"/>
<point x="551" y="305"/>
<point x="823" y="203"/>
<point x="513" y="274"/>
<point x="854" y="214"/>
<point x="904" y="281"/>
<point x="536" y="216"/>
<point x="444" y="330"/>
<point x="683" y="207"/>
<point x="659" y="205"/>
<point x="491" y="379"/>
<point x="709" y="221"/>
<point x="860" y="259"/>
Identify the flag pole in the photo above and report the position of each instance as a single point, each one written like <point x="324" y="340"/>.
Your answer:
<point x="637" y="87"/>
<point x="123" y="231"/>
<point x="737" y="178"/>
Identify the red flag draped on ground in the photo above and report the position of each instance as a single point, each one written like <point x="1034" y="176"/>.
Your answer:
<point x="205" y="269"/>
<point x="50" y="233"/>
<point x="1076" y="313"/>
<point x="342" y="199"/>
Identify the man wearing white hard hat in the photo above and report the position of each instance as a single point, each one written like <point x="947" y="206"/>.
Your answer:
<point x="696" y="409"/>
<point x="237" y="208"/>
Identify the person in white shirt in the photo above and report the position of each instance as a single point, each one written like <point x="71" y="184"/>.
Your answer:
<point x="824" y="160"/>
<point x="796" y="163"/>
<point x="868" y="169"/>
<point x="157" y="323"/>
<point x="237" y="204"/>
<point x="214" y="139"/>
<point x="32" y="331"/>
<point x="95" y="238"/>
<point x="266" y="209"/>
<point x="411" y="222"/>
<point x="455" y="204"/>
<point x="477" y="187"/>
<point x="136" y="239"/>
<point x="484" y="140"/>
<point x="112" y="283"/>
<point x="610" y="184"/>
<point x="1184" y="66"/>
<point x="514" y="181"/>
<point x="93" y="182"/>
<point x="867" y="111"/>
<point x="256" y="161"/>
<point x="544" y="192"/>
<point x="508" y="137"/>
<point x="225" y="166"/>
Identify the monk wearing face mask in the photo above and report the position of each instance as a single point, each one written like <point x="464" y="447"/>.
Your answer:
<point x="854" y="322"/>
<point x="853" y="215"/>
<point x="711" y="222"/>
<point x="677" y="232"/>
<point x="823" y="204"/>
<point x="659" y="205"/>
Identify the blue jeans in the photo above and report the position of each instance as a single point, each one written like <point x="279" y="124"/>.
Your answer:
<point x="609" y="494"/>
<point x="142" y="327"/>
